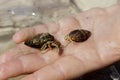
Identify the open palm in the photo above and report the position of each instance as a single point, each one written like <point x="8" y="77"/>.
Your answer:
<point x="101" y="49"/>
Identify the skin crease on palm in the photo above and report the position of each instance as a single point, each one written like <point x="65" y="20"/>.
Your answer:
<point x="101" y="49"/>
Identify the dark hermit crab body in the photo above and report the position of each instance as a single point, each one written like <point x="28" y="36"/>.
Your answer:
<point x="43" y="41"/>
<point x="78" y="35"/>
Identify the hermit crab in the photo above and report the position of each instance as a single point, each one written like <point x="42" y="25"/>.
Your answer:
<point x="43" y="41"/>
<point x="78" y="35"/>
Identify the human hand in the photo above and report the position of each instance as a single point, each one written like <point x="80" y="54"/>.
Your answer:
<point x="101" y="49"/>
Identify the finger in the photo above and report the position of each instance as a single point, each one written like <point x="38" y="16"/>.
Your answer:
<point x="6" y="69"/>
<point x="26" y="64"/>
<point x="26" y="33"/>
<point x="38" y="60"/>
<point x="16" y="52"/>
<point x="16" y="67"/>
<point x="32" y="31"/>
<point x="63" y="69"/>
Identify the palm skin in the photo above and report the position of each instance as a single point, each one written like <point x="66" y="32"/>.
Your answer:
<point x="100" y="50"/>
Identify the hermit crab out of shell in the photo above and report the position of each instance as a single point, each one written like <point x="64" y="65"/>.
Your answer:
<point x="78" y="35"/>
<point x="43" y="41"/>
